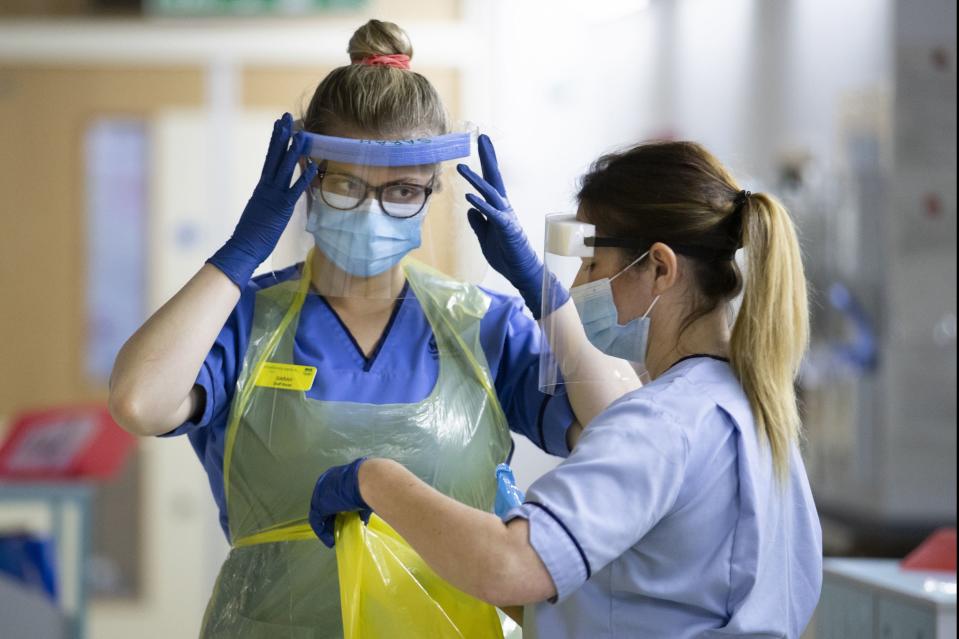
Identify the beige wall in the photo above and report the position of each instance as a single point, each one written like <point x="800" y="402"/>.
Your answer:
<point x="44" y="112"/>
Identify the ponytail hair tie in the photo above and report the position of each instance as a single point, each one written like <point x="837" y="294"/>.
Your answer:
<point x="395" y="60"/>
<point x="735" y="223"/>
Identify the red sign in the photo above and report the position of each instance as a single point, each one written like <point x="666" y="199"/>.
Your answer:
<point x="68" y="442"/>
<point x="937" y="552"/>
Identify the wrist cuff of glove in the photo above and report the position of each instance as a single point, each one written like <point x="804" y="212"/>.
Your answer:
<point x="235" y="264"/>
<point x="354" y="470"/>
<point x="557" y="296"/>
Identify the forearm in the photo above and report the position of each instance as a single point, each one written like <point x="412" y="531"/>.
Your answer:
<point x="592" y="379"/>
<point x="473" y="550"/>
<point x="154" y="373"/>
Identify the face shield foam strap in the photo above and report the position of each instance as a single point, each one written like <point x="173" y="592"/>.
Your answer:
<point x="441" y="148"/>
<point x="700" y="252"/>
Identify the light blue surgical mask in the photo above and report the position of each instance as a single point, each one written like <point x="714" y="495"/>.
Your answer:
<point x="597" y="310"/>
<point x="363" y="241"/>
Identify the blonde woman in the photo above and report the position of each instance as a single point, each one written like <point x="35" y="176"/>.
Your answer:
<point x="684" y="508"/>
<point x="353" y="351"/>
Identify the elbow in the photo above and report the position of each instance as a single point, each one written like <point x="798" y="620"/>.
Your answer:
<point x="503" y="594"/>
<point x="129" y="413"/>
<point x="499" y="597"/>
<point x="494" y="590"/>
<point x="512" y="583"/>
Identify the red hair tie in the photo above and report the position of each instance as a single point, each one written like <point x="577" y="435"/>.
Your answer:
<point x="395" y="60"/>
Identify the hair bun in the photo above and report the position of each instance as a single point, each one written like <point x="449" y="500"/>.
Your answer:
<point x="376" y="38"/>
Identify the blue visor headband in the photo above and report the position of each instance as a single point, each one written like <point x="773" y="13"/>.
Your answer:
<point x="441" y="148"/>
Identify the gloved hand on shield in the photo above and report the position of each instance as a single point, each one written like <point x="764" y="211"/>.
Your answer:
<point x="270" y="207"/>
<point x="501" y="237"/>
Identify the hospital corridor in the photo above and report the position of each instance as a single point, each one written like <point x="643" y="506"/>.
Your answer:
<point x="498" y="319"/>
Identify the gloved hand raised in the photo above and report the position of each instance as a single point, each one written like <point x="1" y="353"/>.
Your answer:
<point x="502" y="239"/>
<point x="270" y="207"/>
<point x="336" y="491"/>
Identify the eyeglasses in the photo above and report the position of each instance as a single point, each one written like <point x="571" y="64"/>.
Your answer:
<point x="346" y="192"/>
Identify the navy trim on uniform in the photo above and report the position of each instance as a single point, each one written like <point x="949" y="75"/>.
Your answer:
<point x="582" y="555"/>
<point x="369" y="361"/>
<point x="715" y="357"/>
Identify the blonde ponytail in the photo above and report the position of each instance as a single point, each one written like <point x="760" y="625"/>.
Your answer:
<point x="771" y="332"/>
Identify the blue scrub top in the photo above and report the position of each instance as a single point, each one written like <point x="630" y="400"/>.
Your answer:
<point x="402" y="369"/>
<point x="666" y="520"/>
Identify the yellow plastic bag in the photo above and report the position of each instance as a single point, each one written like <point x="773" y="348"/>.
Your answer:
<point x="387" y="590"/>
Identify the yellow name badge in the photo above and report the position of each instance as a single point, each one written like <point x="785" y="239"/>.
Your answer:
<point x="286" y="376"/>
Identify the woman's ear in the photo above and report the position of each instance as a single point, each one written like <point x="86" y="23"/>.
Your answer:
<point x="666" y="267"/>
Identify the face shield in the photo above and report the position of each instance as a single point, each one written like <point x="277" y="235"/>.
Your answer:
<point x="567" y="357"/>
<point x="375" y="203"/>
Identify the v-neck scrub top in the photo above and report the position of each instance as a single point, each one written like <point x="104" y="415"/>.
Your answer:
<point x="403" y="368"/>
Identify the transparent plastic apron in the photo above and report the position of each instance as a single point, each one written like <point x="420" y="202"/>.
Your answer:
<point x="278" y="580"/>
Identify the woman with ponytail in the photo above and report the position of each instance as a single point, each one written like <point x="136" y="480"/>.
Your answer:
<point x="684" y="509"/>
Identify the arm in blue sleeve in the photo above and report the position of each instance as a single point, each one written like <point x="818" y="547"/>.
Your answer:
<point x="622" y="478"/>
<point x="511" y="341"/>
<point x="217" y="377"/>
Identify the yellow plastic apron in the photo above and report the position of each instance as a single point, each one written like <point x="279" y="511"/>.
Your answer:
<point x="279" y="581"/>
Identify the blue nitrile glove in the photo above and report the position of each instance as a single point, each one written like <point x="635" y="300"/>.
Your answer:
<point x="270" y="207"/>
<point x="508" y="495"/>
<point x="502" y="239"/>
<point x="336" y="491"/>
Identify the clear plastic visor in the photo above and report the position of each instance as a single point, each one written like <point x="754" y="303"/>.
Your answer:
<point x="377" y="203"/>
<point x="567" y="356"/>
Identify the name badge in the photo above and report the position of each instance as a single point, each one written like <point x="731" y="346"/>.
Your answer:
<point x="286" y="376"/>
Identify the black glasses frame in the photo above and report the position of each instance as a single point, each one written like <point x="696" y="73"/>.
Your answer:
<point x="378" y="191"/>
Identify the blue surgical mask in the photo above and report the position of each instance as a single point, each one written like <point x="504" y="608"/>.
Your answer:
<point x="363" y="241"/>
<point x="597" y="310"/>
